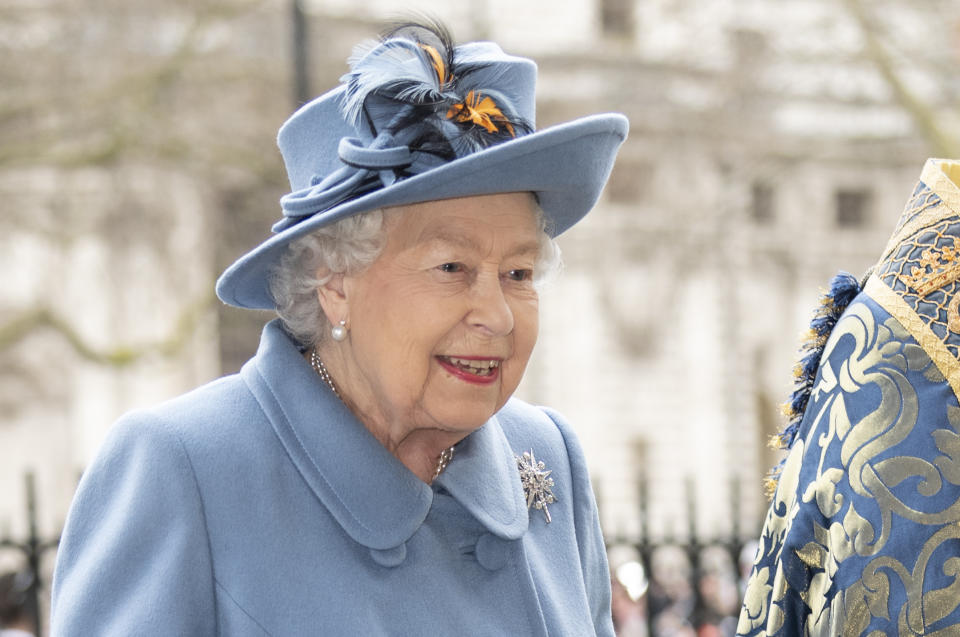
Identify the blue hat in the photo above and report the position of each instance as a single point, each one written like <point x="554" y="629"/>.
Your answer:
<point x="415" y="121"/>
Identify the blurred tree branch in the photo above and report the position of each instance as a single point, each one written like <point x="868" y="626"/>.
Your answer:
<point x="942" y="143"/>
<point x="107" y="108"/>
<point x="42" y="318"/>
<point x="94" y="103"/>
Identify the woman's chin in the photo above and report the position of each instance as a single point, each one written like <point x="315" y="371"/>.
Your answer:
<point x="463" y="418"/>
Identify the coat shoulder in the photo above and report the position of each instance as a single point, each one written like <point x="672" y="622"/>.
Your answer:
<point x="541" y="430"/>
<point x="221" y="414"/>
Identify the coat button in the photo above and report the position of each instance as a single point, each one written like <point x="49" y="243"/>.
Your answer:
<point x="492" y="552"/>
<point x="390" y="557"/>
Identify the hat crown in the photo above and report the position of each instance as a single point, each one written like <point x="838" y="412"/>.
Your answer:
<point x="396" y="97"/>
<point x="417" y="119"/>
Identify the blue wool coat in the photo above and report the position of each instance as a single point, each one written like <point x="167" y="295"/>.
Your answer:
<point x="258" y="505"/>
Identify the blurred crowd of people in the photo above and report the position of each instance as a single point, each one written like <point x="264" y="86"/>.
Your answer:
<point x="675" y="601"/>
<point x="16" y="611"/>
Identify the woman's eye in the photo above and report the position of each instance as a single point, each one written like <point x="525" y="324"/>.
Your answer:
<point x="451" y="267"/>
<point x="520" y="275"/>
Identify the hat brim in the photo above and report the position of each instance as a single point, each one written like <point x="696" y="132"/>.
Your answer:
<point x="566" y="166"/>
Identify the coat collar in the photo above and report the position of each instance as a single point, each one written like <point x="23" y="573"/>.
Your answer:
<point x="376" y="499"/>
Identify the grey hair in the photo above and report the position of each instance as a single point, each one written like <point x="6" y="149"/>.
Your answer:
<point x="349" y="246"/>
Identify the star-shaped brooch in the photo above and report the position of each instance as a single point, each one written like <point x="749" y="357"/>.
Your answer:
<point x="536" y="482"/>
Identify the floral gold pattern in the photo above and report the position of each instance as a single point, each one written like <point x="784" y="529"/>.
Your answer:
<point x="923" y="267"/>
<point x="863" y="534"/>
<point x="869" y="464"/>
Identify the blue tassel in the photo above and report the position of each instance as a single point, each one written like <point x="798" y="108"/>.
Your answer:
<point x="843" y="289"/>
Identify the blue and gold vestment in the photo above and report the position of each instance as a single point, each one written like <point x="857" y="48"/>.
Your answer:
<point x="863" y="534"/>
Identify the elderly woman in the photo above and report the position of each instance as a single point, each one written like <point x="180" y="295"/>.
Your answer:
<point x="368" y="472"/>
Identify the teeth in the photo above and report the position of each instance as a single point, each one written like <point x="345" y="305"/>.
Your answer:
<point x="481" y="367"/>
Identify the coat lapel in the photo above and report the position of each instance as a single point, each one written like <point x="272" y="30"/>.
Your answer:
<point x="376" y="499"/>
<point x="483" y="478"/>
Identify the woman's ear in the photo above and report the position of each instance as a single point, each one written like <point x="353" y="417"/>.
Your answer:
<point x="333" y="299"/>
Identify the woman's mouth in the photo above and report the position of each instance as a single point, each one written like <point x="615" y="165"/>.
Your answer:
<point x="477" y="370"/>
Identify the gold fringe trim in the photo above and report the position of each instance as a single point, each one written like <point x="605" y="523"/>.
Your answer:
<point x="770" y="487"/>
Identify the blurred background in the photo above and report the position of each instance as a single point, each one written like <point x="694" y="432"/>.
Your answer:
<point x="772" y="144"/>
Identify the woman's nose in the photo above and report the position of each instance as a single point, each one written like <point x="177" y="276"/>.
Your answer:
<point x="490" y="312"/>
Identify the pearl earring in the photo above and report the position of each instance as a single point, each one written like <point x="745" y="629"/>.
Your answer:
<point x="339" y="332"/>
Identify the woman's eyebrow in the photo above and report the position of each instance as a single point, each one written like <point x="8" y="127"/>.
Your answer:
<point x="435" y="235"/>
<point x="464" y="241"/>
<point x="527" y="247"/>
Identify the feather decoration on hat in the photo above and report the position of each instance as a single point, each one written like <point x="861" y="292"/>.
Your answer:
<point x="843" y="289"/>
<point x="434" y="103"/>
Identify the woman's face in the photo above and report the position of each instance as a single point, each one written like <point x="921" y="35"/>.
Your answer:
<point x="443" y="323"/>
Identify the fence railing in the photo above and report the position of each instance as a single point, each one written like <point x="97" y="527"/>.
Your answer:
<point x="679" y="585"/>
<point x="675" y="583"/>
<point x="32" y="548"/>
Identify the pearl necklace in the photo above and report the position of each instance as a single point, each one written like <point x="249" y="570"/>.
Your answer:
<point x="321" y="369"/>
<point x="445" y="456"/>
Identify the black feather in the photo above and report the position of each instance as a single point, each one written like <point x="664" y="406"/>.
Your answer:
<point x="421" y="100"/>
<point x="424" y="30"/>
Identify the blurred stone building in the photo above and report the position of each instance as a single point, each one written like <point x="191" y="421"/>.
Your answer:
<point x="771" y="145"/>
<point x="769" y="148"/>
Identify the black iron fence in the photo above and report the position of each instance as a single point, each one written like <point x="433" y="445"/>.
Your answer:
<point x="28" y="587"/>
<point x="670" y="586"/>
<point x="680" y="586"/>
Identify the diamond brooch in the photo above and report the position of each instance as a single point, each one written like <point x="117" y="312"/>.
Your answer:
<point x="537" y="483"/>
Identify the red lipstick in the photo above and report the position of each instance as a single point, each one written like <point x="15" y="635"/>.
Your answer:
<point x="458" y="367"/>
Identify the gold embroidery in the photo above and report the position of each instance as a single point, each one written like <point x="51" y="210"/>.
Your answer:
<point x="942" y="176"/>
<point x="755" y="602"/>
<point x="766" y="589"/>
<point x="953" y="315"/>
<point x="919" y="330"/>
<point x="870" y="463"/>
<point x="812" y="555"/>
<point x="885" y="481"/>
<point x="922" y="211"/>
<point x="944" y="269"/>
